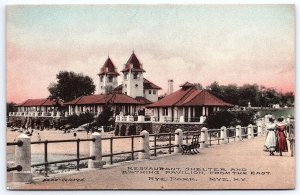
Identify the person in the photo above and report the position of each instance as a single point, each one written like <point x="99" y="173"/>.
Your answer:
<point x="270" y="142"/>
<point x="291" y="136"/>
<point x="281" y="145"/>
<point x="39" y="137"/>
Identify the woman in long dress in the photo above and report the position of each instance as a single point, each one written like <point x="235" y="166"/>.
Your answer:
<point x="270" y="143"/>
<point x="281" y="145"/>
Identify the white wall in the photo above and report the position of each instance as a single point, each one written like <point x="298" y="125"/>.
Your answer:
<point x="105" y="83"/>
<point x="152" y="97"/>
<point x="134" y="87"/>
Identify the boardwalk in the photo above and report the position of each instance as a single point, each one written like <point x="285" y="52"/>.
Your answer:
<point x="241" y="165"/>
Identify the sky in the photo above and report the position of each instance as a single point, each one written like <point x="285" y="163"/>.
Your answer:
<point x="232" y="44"/>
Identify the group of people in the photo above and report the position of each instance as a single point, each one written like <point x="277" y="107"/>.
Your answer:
<point x="276" y="140"/>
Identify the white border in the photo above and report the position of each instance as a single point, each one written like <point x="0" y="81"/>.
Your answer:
<point x="3" y="3"/>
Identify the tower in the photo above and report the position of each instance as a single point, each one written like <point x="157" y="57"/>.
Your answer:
<point x="108" y="77"/>
<point x="133" y="77"/>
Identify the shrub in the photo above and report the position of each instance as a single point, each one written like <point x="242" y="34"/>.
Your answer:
<point x="227" y="119"/>
<point x="105" y="118"/>
<point x="77" y="120"/>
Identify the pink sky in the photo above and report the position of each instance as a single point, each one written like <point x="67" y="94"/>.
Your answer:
<point x="232" y="44"/>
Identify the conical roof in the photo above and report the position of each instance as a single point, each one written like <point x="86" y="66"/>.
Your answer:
<point x="133" y="64"/>
<point x="108" y="68"/>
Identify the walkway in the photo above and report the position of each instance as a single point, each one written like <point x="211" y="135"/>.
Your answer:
<point x="241" y="165"/>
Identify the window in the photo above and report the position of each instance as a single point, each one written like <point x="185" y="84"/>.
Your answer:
<point x="136" y="85"/>
<point x="125" y="75"/>
<point x="135" y="75"/>
<point x="110" y="79"/>
<point x="154" y="91"/>
<point x="149" y="91"/>
<point x="101" y="78"/>
<point x="125" y="85"/>
<point x="165" y="111"/>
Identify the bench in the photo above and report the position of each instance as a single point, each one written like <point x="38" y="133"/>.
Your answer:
<point x="191" y="148"/>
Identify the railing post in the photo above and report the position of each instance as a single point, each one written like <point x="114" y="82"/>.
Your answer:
<point x="181" y="119"/>
<point x="250" y="132"/>
<point x="23" y="158"/>
<point x="259" y="129"/>
<point x="224" y="135"/>
<point x="203" y="137"/>
<point x="202" y="119"/>
<point x="178" y="140"/>
<point x="153" y="118"/>
<point x="58" y="114"/>
<point x="144" y="145"/>
<point x="238" y="133"/>
<point x="141" y="118"/>
<point x="162" y="119"/>
<point x="96" y="150"/>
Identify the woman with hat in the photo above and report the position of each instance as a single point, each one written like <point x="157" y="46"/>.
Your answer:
<point x="281" y="145"/>
<point x="270" y="143"/>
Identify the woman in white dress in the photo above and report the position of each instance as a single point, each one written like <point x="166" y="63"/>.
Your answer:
<point x="270" y="143"/>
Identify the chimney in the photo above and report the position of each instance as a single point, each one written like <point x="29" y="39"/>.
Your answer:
<point x="170" y="86"/>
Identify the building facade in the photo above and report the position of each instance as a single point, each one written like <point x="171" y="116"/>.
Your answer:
<point x="38" y="107"/>
<point x="133" y="82"/>
<point x="188" y="104"/>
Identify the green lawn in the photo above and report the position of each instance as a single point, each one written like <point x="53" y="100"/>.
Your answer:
<point x="278" y="112"/>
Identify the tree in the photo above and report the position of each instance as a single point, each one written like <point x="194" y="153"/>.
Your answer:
<point x="105" y="117"/>
<point x="71" y="85"/>
<point x="216" y="90"/>
<point x="287" y="99"/>
<point x="248" y="93"/>
<point x="198" y="86"/>
<point x="231" y="94"/>
<point x="10" y="107"/>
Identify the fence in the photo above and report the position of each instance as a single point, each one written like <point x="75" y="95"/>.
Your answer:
<point x="132" y="151"/>
<point x="172" y="142"/>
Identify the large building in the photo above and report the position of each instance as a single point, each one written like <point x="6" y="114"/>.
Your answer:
<point x="120" y="103"/>
<point x="128" y="98"/>
<point x="188" y="104"/>
<point x="38" y="107"/>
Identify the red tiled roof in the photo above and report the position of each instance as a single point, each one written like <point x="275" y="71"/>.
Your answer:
<point x="143" y="100"/>
<point x="149" y="85"/>
<point x="136" y="65"/>
<point x="190" y="97"/>
<point x="172" y="99"/>
<point x="39" y="102"/>
<point x="108" y="68"/>
<point x="114" y="98"/>
<point x="203" y="97"/>
<point x="118" y="89"/>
